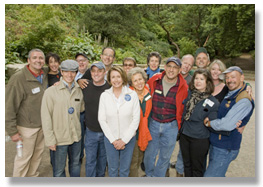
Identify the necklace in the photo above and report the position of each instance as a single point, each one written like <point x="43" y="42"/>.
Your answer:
<point x="218" y="84"/>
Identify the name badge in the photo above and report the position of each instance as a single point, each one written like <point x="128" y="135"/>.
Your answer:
<point x="209" y="102"/>
<point x="35" y="90"/>
<point x="158" y="91"/>
<point x="147" y="98"/>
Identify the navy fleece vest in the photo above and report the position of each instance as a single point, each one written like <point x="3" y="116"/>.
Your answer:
<point x="232" y="141"/>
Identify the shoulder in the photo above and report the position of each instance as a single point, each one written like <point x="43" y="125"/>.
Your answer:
<point x="243" y="95"/>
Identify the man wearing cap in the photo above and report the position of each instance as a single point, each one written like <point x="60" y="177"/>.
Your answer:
<point x="94" y="137"/>
<point x="236" y="106"/>
<point x="23" y="95"/>
<point x="107" y="58"/>
<point x="83" y="62"/>
<point x="60" y="112"/>
<point x="168" y="90"/>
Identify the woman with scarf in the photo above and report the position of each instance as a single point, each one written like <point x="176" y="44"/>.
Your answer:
<point x="194" y="138"/>
<point x="137" y="80"/>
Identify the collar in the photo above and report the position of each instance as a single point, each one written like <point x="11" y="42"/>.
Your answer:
<point x="34" y="74"/>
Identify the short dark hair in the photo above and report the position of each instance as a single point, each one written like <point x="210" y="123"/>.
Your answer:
<point x="53" y="55"/>
<point x="156" y="54"/>
<point x="122" y="73"/>
<point x="108" y="48"/>
<point x="129" y="59"/>
<point x="209" y="81"/>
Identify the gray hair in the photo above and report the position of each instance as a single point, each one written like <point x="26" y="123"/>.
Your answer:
<point x="189" y="56"/>
<point x="134" y="71"/>
<point x="37" y="50"/>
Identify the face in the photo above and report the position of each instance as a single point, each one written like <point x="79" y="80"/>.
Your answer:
<point x="215" y="71"/>
<point x="97" y="75"/>
<point x="187" y="64"/>
<point x="36" y="61"/>
<point x="202" y="60"/>
<point x="154" y="63"/>
<point x="68" y="76"/>
<point x="53" y="64"/>
<point x="115" y="79"/>
<point x="107" y="57"/>
<point x="83" y="63"/>
<point x="128" y="65"/>
<point x="234" y="80"/>
<point x="138" y="81"/>
<point x="200" y="82"/>
<point x="171" y="70"/>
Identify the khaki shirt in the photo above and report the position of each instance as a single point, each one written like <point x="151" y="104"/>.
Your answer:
<point x="59" y="126"/>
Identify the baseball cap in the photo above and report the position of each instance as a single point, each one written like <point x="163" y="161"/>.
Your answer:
<point x="83" y="54"/>
<point x="200" y="50"/>
<point x="177" y="61"/>
<point x="233" y="68"/>
<point x="98" y="64"/>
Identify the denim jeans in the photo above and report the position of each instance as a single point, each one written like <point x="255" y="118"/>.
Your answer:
<point x="163" y="141"/>
<point x="59" y="158"/>
<point x="179" y="163"/>
<point x="119" y="160"/>
<point x="219" y="160"/>
<point x="83" y="127"/>
<point x="95" y="154"/>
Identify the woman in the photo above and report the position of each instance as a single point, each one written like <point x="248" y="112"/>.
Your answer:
<point x="137" y="79"/>
<point x="154" y="60"/>
<point x="53" y="62"/>
<point x="194" y="139"/>
<point x="119" y="117"/>
<point x="216" y="69"/>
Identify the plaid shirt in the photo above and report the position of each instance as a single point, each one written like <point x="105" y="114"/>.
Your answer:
<point x="164" y="108"/>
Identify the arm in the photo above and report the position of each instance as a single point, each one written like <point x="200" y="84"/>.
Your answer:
<point x="236" y="113"/>
<point x="135" y="119"/>
<point x="102" y="117"/>
<point x="46" y="119"/>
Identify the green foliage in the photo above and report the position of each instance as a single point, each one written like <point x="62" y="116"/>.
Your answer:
<point x="187" y="46"/>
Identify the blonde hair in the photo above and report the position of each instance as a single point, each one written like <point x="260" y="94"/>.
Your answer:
<point x="221" y="65"/>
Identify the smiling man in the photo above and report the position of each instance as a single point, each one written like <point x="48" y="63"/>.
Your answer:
<point x="168" y="91"/>
<point x="60" y="113"/>
<point x="94" y="137"/>
<point x="236" y="106"/>
<point x="22" y="113"/>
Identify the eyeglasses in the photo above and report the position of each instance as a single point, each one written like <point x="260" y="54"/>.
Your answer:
<point x="81" y="60"/>
<point x="130" y="65"/>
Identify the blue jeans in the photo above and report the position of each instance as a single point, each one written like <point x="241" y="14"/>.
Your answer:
<point x="119" y="160"/>
<point x="163" y="140"/>
<point x="219" y="160"/>
<point x="179" y="163"/>
<point x="83" y="127"/>
<point x="59" y="158"/>
<point x="95" y="154"/>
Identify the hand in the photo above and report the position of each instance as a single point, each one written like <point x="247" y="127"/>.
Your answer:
<point x="16" y="137"/>
<point x="119" y="144"/>
<point x="249" y="91"/>
<point x="56" y="83"/>
<point x="52" y="147"/>
<point x="240" y="129"/>
<point x="83" y="83"/>
<point x="238" y="123"/>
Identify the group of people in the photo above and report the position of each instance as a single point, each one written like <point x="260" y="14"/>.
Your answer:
<point x="124" y="118"/>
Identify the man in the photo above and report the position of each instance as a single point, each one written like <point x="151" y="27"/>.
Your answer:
<point x="107" y="57"/>
<point x="168" y="91"/>
<point x="94" y="141"/>
<point x="154" y="60"/>
<point x="128" y="63"/>
<point x="202" y="59"/>
<point x="187" y="64"/>
<point x="83" y="62"/>
<point x="60" y="113"/>
<point x="22" y="113"/>
<point x="236" y="106"/>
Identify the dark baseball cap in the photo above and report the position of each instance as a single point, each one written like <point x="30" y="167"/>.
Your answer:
<point x="177" y="61"/>
<point x="83" y="54"/>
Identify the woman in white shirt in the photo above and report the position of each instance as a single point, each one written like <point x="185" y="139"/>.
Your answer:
<point x="119" y="117"/>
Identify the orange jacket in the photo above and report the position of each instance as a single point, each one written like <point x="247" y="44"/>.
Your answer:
<point x="181" y="94"/>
